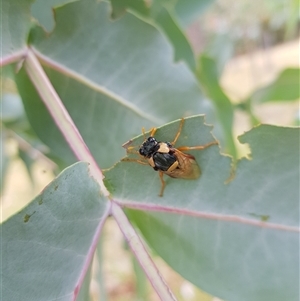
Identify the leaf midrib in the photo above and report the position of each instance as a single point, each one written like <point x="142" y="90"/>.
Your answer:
<point x="207" y="215"/>
<point x="46" y="61"/>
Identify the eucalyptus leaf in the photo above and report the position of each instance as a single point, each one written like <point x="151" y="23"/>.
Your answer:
<point x="284" y="88"/>
<point x="166" y="20"/>
<point x="110" y="91"/>
<point x="161" y="14"/>
<point x="84" y="294"/>
<point x="15" y="24"/>
<point x="43" y="11"/>
<point x="46" y="246"/>
<point x="11" y="107"/>
<point x="238" y="239"/>
<point x="188" y="11"/>
<point x="185" y="11"/>
<point x="119" y="7"/>
<point x="28" y="162"/>
<point x="209" y="79"/>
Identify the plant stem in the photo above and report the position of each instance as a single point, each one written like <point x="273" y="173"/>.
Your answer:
<point x="61" y="116"/>
<point x="142" y="255"/>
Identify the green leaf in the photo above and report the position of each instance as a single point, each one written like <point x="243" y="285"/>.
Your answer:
<point x="209" y="80"/>
<point x="110" y="92"/>
<point x="119" y="7"/>
<point x="237" y="241"/>
<point x="48" y="244"/>
<point x="166" y="20"/>
<point x="99" y="277"/>
<point x="284" y="88"/>
<point x="84" y="294"/>
<point x="161" y="14"/>
<point x="188" y="11"/>
<point x="28" y="162"/>
<point x="220" y="48"/>
<point x="185" y="11"/>
<point x="11" y="107"/>
<point x="42" y="10"/>
<point x="15" y="23"/>
<point x="123" y="177"/>
<point x="140" y="280"/>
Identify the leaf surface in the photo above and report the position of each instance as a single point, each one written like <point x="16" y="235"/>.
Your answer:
<point x="47" y="245"/>
<point x="108" y="89"/>
<point x="284" y="88"/>
<point x="160" y="13"/>
<point x="188" y="11"/>
<point x="42" y="10"/>
<point x="237" y="241"/>
<point x="208" y="78"/>
<point x="15" y="23"/>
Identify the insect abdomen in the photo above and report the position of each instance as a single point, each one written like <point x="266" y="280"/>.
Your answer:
<point x="163" y="161"/>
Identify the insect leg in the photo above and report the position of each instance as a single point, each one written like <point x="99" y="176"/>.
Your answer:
<point x="153" y="131"/>
<point x="198" y="147"/>
<point x="143" y="131"/>
<point x="163" y="183"/>
<point x="179" y="131"/>
<point x="132" y="150"/>
<point x="134" y="160"/>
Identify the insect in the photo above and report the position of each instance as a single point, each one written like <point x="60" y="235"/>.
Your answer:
<point x="166" y="159"/>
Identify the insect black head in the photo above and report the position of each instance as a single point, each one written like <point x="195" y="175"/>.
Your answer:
<point x="149" y="147"/>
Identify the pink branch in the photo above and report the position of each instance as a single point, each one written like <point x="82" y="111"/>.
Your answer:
<point x="91" y="252"/>
<point x="61" y="116"/>
<point x="142" y="255"/>
<point x="208" y="215"/>
<point x="16" y="57"/>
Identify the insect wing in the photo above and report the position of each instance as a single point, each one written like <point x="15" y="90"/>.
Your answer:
<point x="188" y="167"/>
